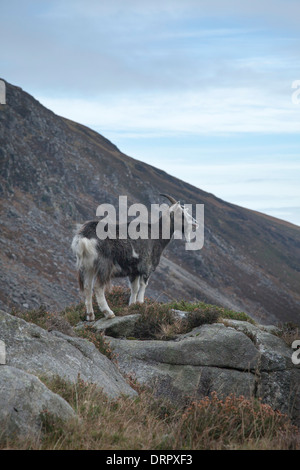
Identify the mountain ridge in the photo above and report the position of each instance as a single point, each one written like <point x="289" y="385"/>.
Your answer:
<point x="55" y="172"/>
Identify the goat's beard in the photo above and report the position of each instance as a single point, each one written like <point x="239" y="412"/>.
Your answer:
<point x="184" y="234"/>
<point x="187" y="237"/>
<point x="190" y="233"/>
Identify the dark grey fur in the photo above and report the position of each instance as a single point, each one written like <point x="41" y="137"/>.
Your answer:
<point x="118" y="253"/>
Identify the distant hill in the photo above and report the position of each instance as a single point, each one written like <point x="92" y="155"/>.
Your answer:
<point x="55" y="172"/>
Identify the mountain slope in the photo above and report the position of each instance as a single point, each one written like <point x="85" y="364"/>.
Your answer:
<point x="55" y="172"/>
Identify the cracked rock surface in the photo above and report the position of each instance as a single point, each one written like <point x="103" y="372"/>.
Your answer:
<point x="237" y="358"/>
<point x="23" y="400"/>
<point x="43" y="353"/>
<point x="32" y="352"/>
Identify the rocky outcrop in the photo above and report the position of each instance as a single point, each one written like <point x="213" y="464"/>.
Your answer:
<point x="29" y="352"/>
<point x="39" y="352"/>
<point x="237" y="358"/>
<point x="228" y="357"/>
<point x="43" y="353"/>
<point x="24" y="399"/>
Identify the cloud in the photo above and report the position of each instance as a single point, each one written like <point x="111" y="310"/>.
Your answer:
<point x="178" y="72"/>
<point x="217" y="111"/>
<point x="271" y="187"/>
<point x="83" y="47"/>
<point x="269" y="11"/>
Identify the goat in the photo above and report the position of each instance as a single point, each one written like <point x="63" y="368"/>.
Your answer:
<point x="98" y="261"/>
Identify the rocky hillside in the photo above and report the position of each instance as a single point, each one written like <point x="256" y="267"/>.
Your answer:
<point x="55" y="172"/>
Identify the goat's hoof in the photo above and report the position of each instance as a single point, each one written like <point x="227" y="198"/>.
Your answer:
<point x="90" y="317"/>
<point x="109" y="315"/>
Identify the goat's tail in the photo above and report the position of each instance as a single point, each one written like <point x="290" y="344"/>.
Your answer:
<point x="86" y="255"/>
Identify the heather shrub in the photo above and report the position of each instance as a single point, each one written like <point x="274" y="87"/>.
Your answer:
<point x="154" y="318"/>
<point x="221" y="312"/>
<point x="200" y="317"/>
<point x="232" y="422"/>
<point x="289" y="332"/>
<point x="98" y="339"/>
<point x="48" y="320"/>
<point x="149" y="422"/>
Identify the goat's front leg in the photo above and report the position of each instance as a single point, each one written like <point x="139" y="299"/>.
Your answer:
<point x="101" y="300"/>
<point x="141" y="293"/>
<point x="135" y="284"/>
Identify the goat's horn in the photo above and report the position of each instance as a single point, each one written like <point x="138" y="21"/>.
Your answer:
<point x="171" y="199"/>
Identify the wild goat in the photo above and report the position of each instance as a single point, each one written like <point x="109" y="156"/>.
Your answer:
<point x="98" y="261"/>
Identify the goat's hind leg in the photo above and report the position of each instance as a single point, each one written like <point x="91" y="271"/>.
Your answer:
<point x="101" y="300"/>
<point x="88" y="294"/>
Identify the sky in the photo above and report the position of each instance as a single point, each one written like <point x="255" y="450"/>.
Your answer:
<point x="207" y="90"/>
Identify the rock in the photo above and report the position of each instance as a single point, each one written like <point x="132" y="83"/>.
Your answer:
<point x="239" y="358"/>
<point x="281" y="390"/>
<point x="209" y="345"/>
<point x="23" y="400"/>
<point x="117" y="326"/>
<point x="211" y="357"/>
<point x="2" y="353"/>
<point x="36" y="351"/>
<point x="180" y="313"/>
<point x="274" y="352"/>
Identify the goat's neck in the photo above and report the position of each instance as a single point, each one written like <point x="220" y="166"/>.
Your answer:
<point x="165" y="219"/>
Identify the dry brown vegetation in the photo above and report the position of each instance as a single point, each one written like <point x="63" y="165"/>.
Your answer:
<point x="149" y="423"/>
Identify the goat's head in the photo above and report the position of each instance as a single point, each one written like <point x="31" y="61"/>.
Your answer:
<point x="183" y="220"/>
